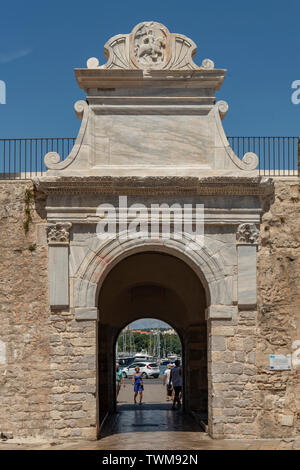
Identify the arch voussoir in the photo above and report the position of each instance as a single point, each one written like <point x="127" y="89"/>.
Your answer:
<point x="106" y="254"/>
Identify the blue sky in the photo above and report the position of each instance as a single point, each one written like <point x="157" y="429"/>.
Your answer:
<point x="256" y="41"/>
<point x="149" y="323"/>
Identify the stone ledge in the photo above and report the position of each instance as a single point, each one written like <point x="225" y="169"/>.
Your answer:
<point x="85" y="314"/>
<point x="220" y="312"/>
<point x="245" y="306"/>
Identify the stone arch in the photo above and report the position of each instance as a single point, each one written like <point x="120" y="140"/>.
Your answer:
<point x="104" y="255"/>
<point x="154" y="284"/>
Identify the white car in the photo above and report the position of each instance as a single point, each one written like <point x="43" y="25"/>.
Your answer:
<point x="148" y="369"/>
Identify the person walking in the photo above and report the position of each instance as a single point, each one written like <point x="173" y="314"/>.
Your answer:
<point x="119" y="378"/>
<point x="137" y="382"/>
<point x="176" y="380"/>
<point x="167" y="383"/>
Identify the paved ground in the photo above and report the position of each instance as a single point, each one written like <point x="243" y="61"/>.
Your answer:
<point x="159" y="440"/>
<point x="154" y="392"/>
<point x="154" y="426"/>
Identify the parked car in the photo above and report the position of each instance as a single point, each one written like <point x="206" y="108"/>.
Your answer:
<point x="148" y="369"/>
<point x="125" y="362"/>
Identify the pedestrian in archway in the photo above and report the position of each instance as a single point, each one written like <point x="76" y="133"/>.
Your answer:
<point x="167" y="382"/>
<point x="176" y="380"/>
<point x="137" y="382"/>
<point x="119" y="378"/>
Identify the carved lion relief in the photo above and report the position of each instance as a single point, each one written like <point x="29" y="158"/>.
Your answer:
<point x="150" y="46"/>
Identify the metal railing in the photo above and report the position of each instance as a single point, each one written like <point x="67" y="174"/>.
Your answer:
<point x="24" y="158"/>
<point x="278" y="156"/>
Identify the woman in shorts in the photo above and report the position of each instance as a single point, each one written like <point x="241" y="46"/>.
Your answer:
<point x="137" y="382"/>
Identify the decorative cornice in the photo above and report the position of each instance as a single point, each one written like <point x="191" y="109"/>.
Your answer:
<point x="247" y="234"/>
<point x="58" y="233"/>
<point x="202" y="78"/>
<point x="214" y="185"/>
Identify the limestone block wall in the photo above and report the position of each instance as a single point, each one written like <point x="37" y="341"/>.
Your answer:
<point x="247" y="399"/>
<point x="232" y="376"/>
<point x="25" y="375"/>
<point x="278" y="322"/>
<point x="47" y="360"/>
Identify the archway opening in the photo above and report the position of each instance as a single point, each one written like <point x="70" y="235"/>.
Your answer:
<point x="160" y="286"/>
<point x="153" y="346"/>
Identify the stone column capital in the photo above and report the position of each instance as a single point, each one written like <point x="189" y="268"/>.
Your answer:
<point x="247" y="234"/>
<point x="58" y="233"/>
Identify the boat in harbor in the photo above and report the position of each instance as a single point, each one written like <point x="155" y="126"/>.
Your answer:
<point x="170" y="359"/>
<point x="143" y="356"/>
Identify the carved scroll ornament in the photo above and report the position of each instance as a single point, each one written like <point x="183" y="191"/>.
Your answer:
<point x="150" y="46"/>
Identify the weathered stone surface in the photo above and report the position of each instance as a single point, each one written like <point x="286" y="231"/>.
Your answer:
<point x="279" y="311"/>
<point x="247" y="276"/>
<point x="36" y="371"/>
<point x="24" y="316"/>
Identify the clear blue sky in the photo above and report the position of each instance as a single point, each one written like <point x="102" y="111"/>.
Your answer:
<point x="258" y="43"/>
<point x="149" y="323"/>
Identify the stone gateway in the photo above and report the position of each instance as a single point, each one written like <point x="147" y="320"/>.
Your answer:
<point x="151" y="130"/>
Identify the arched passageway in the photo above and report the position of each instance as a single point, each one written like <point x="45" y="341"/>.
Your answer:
<point x="154" y="285"/>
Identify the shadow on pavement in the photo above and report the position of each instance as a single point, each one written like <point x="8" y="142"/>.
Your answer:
<point x="149" y="418"/>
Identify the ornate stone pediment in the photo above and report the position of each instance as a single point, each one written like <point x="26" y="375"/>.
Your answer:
<point x="150" y="46"/>
<point x="150" y="111"/>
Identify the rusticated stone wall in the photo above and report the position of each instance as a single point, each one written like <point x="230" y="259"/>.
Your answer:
<point x="278" y="323"/>
<point x="25" y="375"/>
<point x="47" y="360"/>
<point x="249" y="400"/>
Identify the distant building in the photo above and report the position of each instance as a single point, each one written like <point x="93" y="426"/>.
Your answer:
<point x="170" y="331"/>
<point x="141" y="332"/>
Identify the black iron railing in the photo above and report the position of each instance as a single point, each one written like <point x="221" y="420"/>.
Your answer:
<point x="278" y="156"/>
<point x="24" y="158"/>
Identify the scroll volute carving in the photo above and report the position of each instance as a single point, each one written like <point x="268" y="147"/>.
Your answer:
<point x="150" y="46"/>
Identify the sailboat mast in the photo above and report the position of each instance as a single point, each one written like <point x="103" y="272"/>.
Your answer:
<point x="158" y="342"/>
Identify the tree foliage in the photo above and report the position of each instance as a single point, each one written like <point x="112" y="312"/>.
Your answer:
<point x="169" y="343"/>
